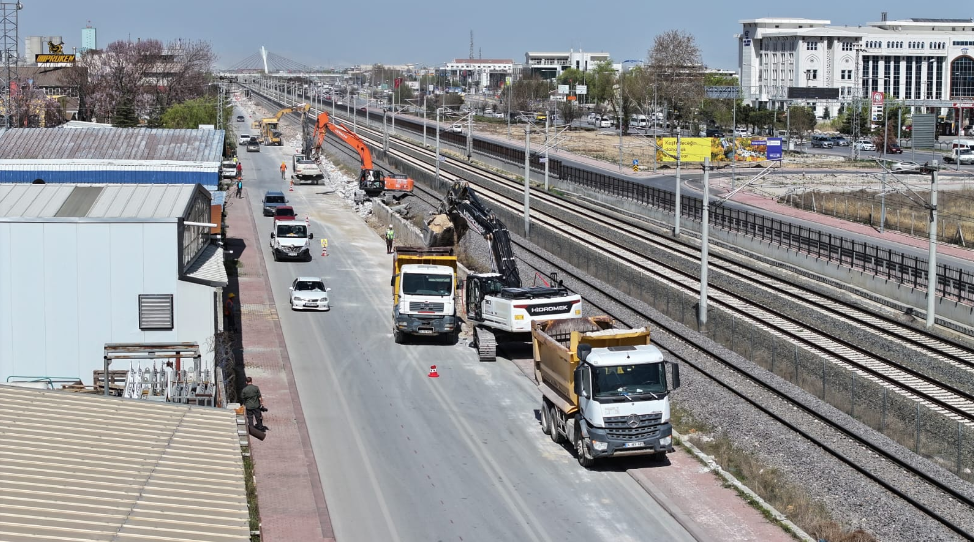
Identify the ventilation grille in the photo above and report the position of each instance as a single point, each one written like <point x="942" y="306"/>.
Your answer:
<point x="155" y="312"/>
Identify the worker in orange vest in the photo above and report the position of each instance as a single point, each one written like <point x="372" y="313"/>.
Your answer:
<point x="283" y="169"/>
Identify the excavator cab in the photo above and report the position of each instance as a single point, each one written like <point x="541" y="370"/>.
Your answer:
<point x="371" y="182"/>
<point x="477" y="287"/>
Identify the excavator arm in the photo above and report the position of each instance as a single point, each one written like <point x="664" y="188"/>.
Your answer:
<point x="464" y="211"/>
<point x="372" y="180"/>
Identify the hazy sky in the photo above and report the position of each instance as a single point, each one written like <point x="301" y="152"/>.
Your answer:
<point x="327" y="33"/>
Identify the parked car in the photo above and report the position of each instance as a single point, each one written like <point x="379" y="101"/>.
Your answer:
<point x="253" y="145"/>
<point x="228" y="169"/>
<point x="284" y="212"/>
<point x="840" y="141"/>
<point x="457" y="128"/>
<point x="714" y="132"/>
<point x="240" y="118"/>
<point x="905" y="167"/>
<point x="865" y="145"/>
<point x="822" y="142"/>
<point x="272" y="200"/>
<point x="244" y="139"/>
<point x="893" y="148"/>
<point x="309" y="293"/>
<point x="741" y="132"/>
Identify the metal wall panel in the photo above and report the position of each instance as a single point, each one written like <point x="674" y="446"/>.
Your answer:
<point x="95" y="314"/>
<point x="209" y="179"/>
<point x="128" y="266"/>
<point x="57" y="290"/>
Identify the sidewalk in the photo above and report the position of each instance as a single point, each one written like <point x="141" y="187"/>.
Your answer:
<point x="289" y="494"/>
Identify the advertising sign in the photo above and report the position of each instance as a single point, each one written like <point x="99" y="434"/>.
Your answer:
<point x="562" y="89"/>
<point x="581" y="89"/>
<point x="59" y="59"/>
<point x="692" y="149"/>
<point x="774" y="148"/>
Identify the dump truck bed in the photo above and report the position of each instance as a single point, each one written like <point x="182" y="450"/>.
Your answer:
<point x="556" y="351"/>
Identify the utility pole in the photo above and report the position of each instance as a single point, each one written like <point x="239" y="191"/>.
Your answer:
<point x="882" y="213"/>
<point x="676" y="225"/>
<point x="546" y="145"/>
<point x="527" y="179"/>
<point x="470" y="135"/>
<point x="438" y="109"/>
<point x="704" y="244"/>
<point x="932" y="257"/>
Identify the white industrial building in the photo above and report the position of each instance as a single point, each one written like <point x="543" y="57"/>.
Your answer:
<point x="482" y="72"/>
<point x="549" y="65"/>
<point x="926" y="63"/>
<point x="86" y="265"/>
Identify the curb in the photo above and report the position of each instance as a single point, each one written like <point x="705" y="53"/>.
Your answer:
<point x="756" y="500"/>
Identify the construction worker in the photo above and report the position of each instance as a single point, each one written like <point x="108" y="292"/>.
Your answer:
<point x="239" y="188"/>
<point x="283" y="169"/>
<point x="254" y="403"/>
<point x="390" y="236"/>
<point x="229" y="324"/>
<point x="239" y="170"/>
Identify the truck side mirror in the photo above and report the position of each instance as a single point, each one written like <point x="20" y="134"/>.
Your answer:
<point x="273" y="235"/>
<point x="578" y="382"/>
<point x="311" y="236"/>
<point x="676" y="376"/>
<point x="392" y="281"/>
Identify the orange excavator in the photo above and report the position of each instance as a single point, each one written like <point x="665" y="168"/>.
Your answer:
<point x="372" y="181"/>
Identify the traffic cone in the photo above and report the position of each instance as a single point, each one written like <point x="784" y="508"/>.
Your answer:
<point x="324" y="251"/>
<point x="291" y="186"/>
<point x="307" y="220"/>
<point x="433" y="373"/>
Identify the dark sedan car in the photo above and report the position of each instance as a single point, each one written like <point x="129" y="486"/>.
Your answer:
<point x="892" y="148"/>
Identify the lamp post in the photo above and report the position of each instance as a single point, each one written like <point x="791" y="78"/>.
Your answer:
<point x="438" y="109"/>
<point x="932" y="257"/>
<point x="527" y="179"/>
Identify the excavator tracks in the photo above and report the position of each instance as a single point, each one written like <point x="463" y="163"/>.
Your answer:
<point x="486" y="344"/>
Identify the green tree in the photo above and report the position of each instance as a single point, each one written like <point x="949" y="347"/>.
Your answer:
<point x="192" y="113"/>
<point x="802" y="121"/>
<point x="570" y="76"/>
<point x="601" y="82"/>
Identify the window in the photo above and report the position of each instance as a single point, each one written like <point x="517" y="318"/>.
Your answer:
<point x="155" y="312"/>
<point x="962" y="78"/>
<point x="811" y="46"/>
<point x="846" y="45"/>
<point x="845" y="75"/>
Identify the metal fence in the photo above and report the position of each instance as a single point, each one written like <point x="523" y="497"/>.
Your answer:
<point x="952" y="283"/>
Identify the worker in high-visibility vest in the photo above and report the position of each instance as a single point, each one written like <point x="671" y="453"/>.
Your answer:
<point x="283" y="169"/>
<point x="390" y="236"/>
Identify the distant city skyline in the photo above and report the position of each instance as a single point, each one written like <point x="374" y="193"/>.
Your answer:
<point x="343" y="34"/>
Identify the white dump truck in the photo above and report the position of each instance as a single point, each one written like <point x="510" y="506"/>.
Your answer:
<point x="604" y="390"/>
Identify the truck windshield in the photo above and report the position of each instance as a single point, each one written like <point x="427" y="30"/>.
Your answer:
<point x="625" y="380"/>
<point x="423" y="284"/>
<point x="297" y="230"/>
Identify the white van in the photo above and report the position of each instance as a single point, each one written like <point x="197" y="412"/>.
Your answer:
<point x="962" y="144"/>
<point x="641" y="121"/>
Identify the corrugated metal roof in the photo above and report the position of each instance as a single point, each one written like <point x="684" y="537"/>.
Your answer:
<point x="87" y="467"/>
<point x="208" y="267"/>
<point x="113" y="143"/>
<point x="111" y="201"/>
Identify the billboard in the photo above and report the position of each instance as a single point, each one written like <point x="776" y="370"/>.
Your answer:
<point x="813" y="93"/>
<point x="719" y="149"/>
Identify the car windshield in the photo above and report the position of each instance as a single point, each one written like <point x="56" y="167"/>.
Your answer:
<point x="309" y="286"/>
<point x="295" y="230"/>
<point x="424" y="284"/>
<point x="284" y="212"/>
<point x="627" y="380"/>
<point x="274" y="199"/>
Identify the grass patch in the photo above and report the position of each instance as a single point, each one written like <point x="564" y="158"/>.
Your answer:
<point x="771" y="484"/>
<point x="252" y="498"/>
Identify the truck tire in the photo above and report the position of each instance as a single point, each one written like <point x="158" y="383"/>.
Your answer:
<point x="581" y="450"/>
<point x="398" y="336"/>
<point x="275" y="254"/>
<point x="555" y="435"/>
<point x="545" y="418"/>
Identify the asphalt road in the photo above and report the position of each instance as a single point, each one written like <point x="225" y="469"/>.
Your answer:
<point x="405" y="457"/>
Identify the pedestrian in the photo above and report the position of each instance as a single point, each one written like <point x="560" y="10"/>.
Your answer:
<point x="239" y="170"/>
<point x="229" y="324"/>
<point x="390" y="236"/>
<point x="239" y="188"/>
<point x="283" y="169"/>
<point x="254" y="404"/>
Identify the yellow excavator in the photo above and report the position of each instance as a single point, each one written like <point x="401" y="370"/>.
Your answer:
<point x="269" y="133"/>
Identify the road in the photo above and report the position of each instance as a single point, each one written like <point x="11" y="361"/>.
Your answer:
<point x="405" y="457"/>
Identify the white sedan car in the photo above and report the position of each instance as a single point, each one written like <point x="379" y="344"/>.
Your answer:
<point x="865" y="145"/>
<point x="309" y="293"/>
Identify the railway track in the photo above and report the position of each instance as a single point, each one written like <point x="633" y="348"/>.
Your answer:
<point x="940" y="397"/>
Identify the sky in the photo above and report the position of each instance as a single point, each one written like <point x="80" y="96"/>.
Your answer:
<point x="341" y="34"/>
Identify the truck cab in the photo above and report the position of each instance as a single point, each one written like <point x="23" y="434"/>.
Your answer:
<point x="424" y="286"/>
<point x="291" y="240"/>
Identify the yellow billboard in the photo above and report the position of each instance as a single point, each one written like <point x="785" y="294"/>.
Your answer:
<point x="692" y="149"/>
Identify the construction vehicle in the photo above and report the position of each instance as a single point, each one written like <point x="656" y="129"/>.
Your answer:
<point x="424" y="285"/>
<point x="497" y="306"/>
<point x="270" y="133"/>
<point x="603" y="390"/>
<point x="372" y="181"/>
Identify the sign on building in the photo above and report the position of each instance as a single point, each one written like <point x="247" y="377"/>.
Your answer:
<point x="50" y="60"/>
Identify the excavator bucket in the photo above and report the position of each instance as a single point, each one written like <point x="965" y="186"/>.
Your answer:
<point x="440" y="232"/>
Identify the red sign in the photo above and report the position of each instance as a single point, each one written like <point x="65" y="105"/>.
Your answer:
<point x="877" y="98"/>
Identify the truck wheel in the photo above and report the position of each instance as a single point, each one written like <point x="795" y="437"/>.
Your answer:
<point x="581" y="450"/>
<point x="545" y="418"/>
<point x="275" y="255"/>
<point x="398" y="336"/>
<point x="556" y="437"/>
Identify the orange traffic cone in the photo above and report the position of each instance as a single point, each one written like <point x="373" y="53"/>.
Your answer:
<point x="291" y="187"/>
<point x="433" y="373"/>
<point x="307" y="220"/>
<point x="324" y="251"/>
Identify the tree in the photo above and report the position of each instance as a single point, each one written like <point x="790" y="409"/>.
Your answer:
<point x="192" y="113"/>
<point x="601" y="83"/>
<point x="403" y="93"/>
<point x="569" y="111"/>
<point x="570" y="76"/>
<point x="802" y="121"/>
<point x="675" y="66"/>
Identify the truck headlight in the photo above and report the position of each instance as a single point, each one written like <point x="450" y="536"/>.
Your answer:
<point x="600" y="446"/>
<point x="665" y="441"/>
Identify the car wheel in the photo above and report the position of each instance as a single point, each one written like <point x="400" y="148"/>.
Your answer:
<point x="291" y="302"/>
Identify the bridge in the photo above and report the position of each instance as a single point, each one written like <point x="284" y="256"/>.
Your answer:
<point x="266" y="63"/>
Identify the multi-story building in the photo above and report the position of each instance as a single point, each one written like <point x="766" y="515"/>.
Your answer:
<point x="550" y="65"/>
<point x="926" y="63"/>
<point x="89" y="38"/>
<point x="481" y="72"/>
